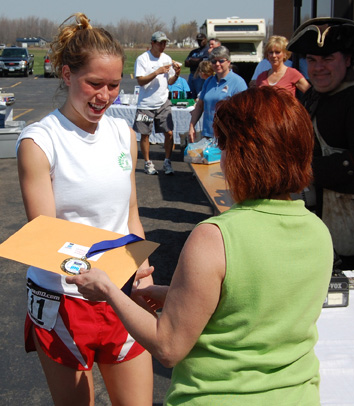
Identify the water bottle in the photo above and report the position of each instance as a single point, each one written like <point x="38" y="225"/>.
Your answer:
<point x="118" y="100"/>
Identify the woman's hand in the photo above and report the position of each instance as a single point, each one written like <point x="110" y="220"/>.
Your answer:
<point x="195" y="116"/>
<point x="148" y="296"/>
<point x="141" y="274"/>
<point x="154" y="296"/>
<point x="93" y="284"/>
<point x="192" y="133"/>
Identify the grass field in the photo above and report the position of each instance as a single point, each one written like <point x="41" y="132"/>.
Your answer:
<point x="178" y="55"/>
<point x="39" y="55"/>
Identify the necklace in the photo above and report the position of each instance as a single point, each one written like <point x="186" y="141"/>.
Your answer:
<point x="274" y="77"/>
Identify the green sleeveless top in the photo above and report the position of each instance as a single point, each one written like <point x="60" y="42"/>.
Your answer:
<point x="258" y="347"/>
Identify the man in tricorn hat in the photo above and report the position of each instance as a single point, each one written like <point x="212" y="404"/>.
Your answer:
<point x="328" y="44"/>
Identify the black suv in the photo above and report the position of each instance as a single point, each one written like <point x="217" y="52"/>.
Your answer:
<point x="16" y="60"/>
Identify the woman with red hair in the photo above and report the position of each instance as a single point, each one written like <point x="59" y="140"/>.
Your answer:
<point x="239" y="319"/>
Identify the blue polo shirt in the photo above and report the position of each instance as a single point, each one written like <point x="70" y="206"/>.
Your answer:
<point x="213" y="91"/>
<point x="180" y="85"/>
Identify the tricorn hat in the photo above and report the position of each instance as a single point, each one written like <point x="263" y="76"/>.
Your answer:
<point x="323" y="36"/>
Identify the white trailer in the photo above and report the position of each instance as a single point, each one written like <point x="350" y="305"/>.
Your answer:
<point x="243" y="37"/>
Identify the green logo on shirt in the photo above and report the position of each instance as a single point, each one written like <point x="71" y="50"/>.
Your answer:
<point x="123" y="162"/>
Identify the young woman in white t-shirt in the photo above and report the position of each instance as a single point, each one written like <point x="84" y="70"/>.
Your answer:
<point x="79" y="164"/>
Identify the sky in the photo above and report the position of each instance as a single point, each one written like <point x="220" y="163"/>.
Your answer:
<point x="112" y="11"/>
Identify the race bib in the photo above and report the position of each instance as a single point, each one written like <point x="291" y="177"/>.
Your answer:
<point x="42" y="305"/>
<point x="144" y="118"/>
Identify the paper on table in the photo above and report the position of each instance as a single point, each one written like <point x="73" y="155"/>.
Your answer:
<point x="39" y="241"/>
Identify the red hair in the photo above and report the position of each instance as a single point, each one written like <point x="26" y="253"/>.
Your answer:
<point x="267" y="136"/>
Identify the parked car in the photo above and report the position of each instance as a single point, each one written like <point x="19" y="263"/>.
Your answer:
<point x="16" y="60"/>
<point x="48" y="67"/>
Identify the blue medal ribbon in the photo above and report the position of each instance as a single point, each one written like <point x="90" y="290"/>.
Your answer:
<point x="111" y="244"/>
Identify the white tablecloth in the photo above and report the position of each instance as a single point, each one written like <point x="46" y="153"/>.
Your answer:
<point x="335" y="350"/>
<point x="181" y="119"/>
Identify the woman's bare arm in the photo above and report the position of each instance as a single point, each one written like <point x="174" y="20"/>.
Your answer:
<point x="35" y="182"/>
<point x="191" y="300"/>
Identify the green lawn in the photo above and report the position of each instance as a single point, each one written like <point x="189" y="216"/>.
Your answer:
<point x="39" y="54"/>
<point x="178" y="55"/>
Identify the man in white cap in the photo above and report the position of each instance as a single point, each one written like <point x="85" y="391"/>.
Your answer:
<point x="328" y="44"/>
<point x="154" y="71"/>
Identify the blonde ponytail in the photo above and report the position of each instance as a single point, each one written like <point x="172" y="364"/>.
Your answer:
<point x="77" y="40"/>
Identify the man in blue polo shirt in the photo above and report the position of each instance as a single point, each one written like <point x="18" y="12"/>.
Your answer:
<point x="224" y="83"/>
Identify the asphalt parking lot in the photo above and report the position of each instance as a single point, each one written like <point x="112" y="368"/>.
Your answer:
<point x="169" y="207"/>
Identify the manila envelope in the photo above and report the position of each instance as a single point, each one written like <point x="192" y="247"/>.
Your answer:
<point x="37" y="244"/>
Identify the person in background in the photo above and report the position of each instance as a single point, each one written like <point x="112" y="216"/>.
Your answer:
<point x="328" y="44"/>
<point x="180" y="85"/>
<point x="262" y="66"/>
<point x="223" y="84"/>
<point x="256" y="276"/>
<point x="205" y="70"/>
<point x="281" y="75"/>
<point x="154" y="71"/>
<point x="192" y="62"/>
<point x="78" y="164"/>
<point x="213" y="43"/>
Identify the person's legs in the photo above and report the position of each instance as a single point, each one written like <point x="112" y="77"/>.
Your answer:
<point x="129" y="383"/>
<point x="164" y="124"/>
<point x="167" y="166"/>
<point x="168" y="145"/>
<point x="149" y="167"/>
<point x="68" y="386"/>
<point x="143" y="124"/>
<point x="145" y="146"/>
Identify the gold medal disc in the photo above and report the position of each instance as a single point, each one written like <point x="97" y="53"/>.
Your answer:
<point x="72" y="266"/>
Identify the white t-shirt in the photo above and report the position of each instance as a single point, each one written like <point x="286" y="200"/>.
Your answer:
<point x="154" y="94"/>
<point x="90" y="176"/>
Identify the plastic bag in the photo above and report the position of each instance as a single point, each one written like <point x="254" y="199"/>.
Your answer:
<point x="204" y="151"/>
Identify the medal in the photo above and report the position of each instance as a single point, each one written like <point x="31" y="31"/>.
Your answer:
<point x="72" y="265"/>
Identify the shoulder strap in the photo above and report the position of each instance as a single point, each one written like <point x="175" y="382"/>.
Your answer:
<point x="326" y="149"/>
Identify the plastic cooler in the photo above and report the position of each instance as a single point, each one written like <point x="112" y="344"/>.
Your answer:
<point x="8" y="138"/>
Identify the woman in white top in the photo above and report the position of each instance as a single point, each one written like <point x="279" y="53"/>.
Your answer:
<point x="78" y="164"/>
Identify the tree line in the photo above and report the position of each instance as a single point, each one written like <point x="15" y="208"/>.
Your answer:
<point x="129" y="33"/>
